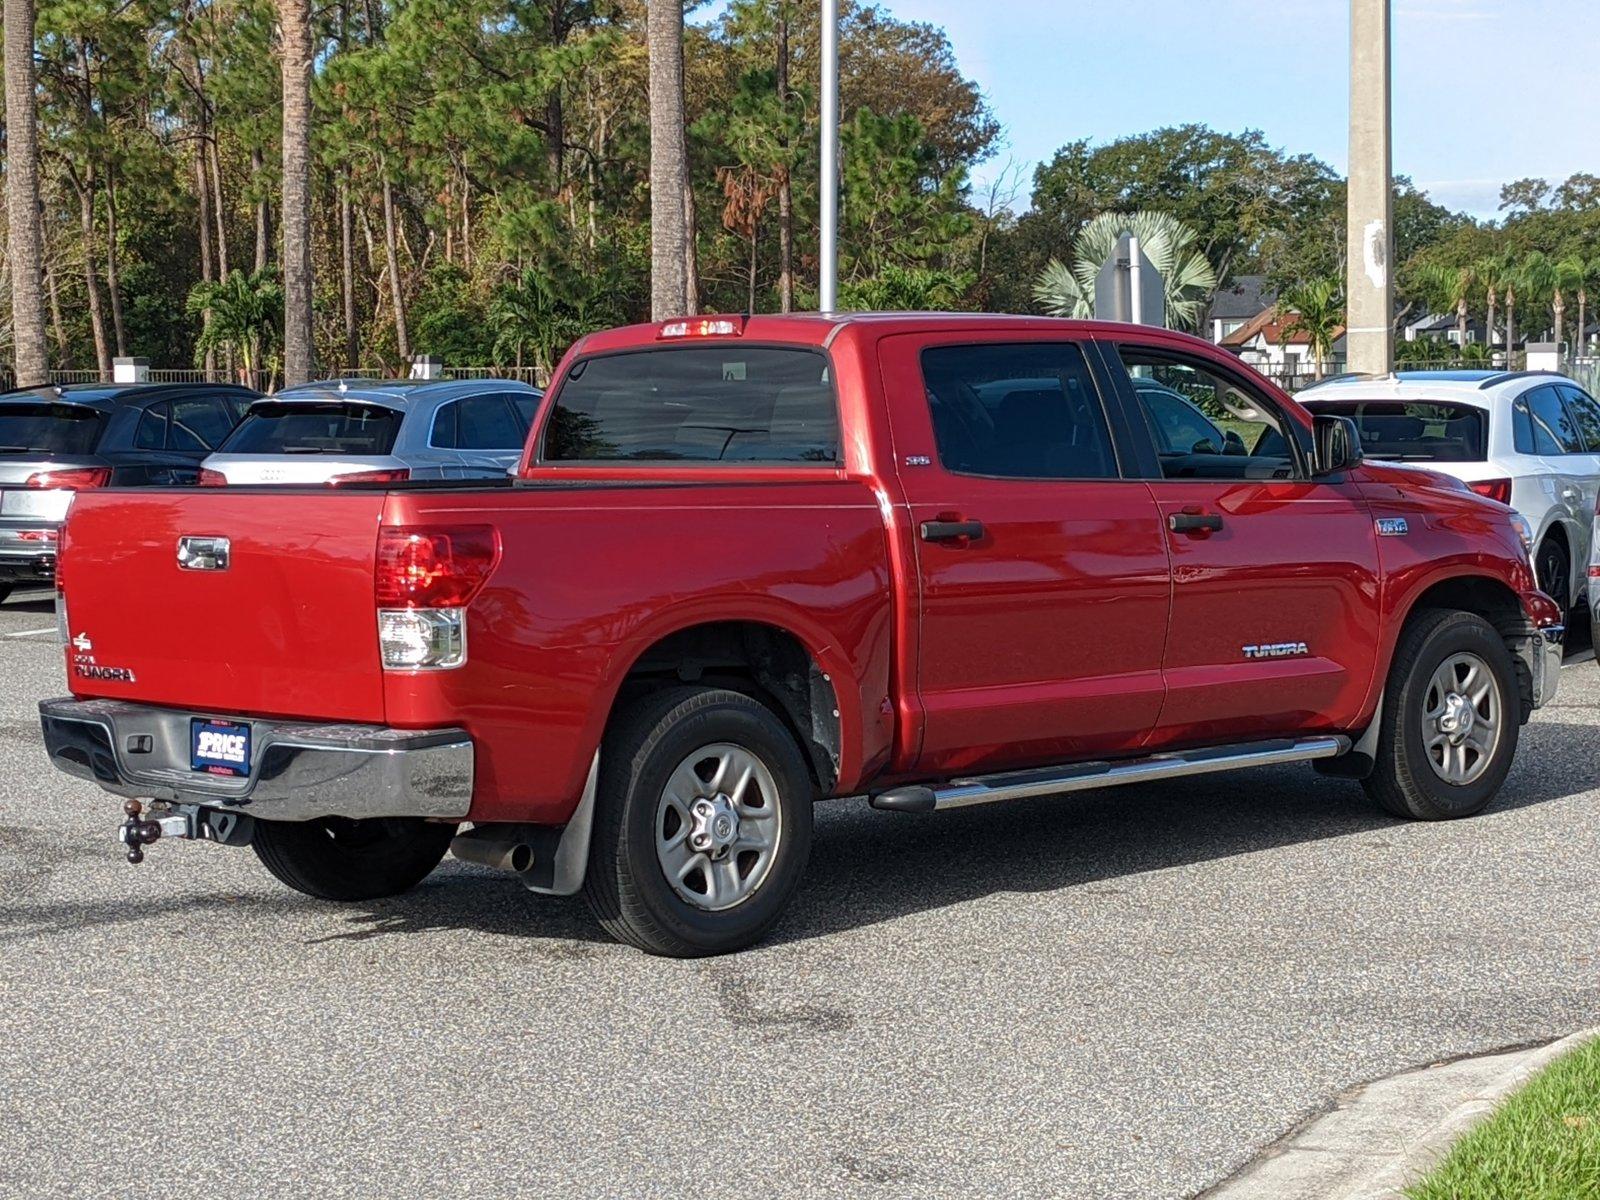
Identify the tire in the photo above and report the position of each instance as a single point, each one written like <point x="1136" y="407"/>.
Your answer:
<point x="666" y="754"/>
<point x="5" y="590"/>
<point x="339" y="859"/>
<point x="1417" y="779"/>
<point x="1553" y="567"/>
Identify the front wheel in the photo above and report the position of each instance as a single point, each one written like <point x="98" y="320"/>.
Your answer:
<point x="335" y="858"/>
<point x="702" y="823"/>
<point x="1553" y="569"/>
<point x="1450" y="720"/>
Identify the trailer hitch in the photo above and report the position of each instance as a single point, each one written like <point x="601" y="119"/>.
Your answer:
<point x="135" y="833"/>
<point x="188" y="821"/>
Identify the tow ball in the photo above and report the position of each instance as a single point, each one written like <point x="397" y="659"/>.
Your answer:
<point x="135" y="833"/>
<point x="188" y="821"/>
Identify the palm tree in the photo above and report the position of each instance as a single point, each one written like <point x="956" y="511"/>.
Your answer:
<point x="669" y="235"/>
<point x="1316" y="307"/>
<point x="530" y="314"/>
<point x="22" y="198"/>
<point x="1491" y="277"/>
<point x="242" y="313"/>
<point x="1187" y="277"/>
<point x="1567" y="274"/>
<point x="295" y="18"/>
<point x="1454" y="286"/>
<point x="1588" y="269"/>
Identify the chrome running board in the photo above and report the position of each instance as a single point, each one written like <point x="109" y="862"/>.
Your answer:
<point x="1078" y="777"/>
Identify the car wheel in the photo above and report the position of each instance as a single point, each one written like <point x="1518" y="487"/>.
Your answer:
<point x="5" y="590"/>
<point x="702" y="823"/>
<point x="339" y="859"/>
<point x="1451" y="716"/>
<point x="1554" y="571"/>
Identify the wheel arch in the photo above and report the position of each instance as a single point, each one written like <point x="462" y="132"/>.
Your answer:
<point x="796" y="675"/>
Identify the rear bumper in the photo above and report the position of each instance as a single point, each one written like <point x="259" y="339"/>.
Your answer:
<point x="298" y="771"/>
<point x="23" y="558"/>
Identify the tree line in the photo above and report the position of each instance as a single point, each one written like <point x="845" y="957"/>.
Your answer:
<point x="268" y="186"/>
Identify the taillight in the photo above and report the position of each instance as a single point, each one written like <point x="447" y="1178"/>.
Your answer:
<point x="71" y="479"/>
<point x="396" y="475"/>
<point x="211" y="478"/>
<point x="1494" y="489"/>
<point x="434" y="566"/>
<point x="426" y="577"/>
<point x="38" y="535"/>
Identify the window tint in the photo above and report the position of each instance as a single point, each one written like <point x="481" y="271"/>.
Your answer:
<point x="300" y="427"/>
<point x="1585" y="415"/>
<point x="1239" y="435"/>
<point x="1553" y="429"/>
<point x="53" y="428"/>
<point x="152" y="431"/>
<point x="198" y="424"/>
<point x="1522" y="426"/>
<point x="487" y="423"/>
<point x="1017" y="411"/>
<point x="444" y="428"/>
<point x="526" y="405"/>
<point x="722" y="403"/>
<point x="1416" y="431"/>
<point x="1180" y="427"/>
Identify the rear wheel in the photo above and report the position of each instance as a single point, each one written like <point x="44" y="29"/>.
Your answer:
<point x="1451" y="716"/>
<point x="339" y="859"/>
<point x="1554" y="570"/>
<point x="702" y="823"/>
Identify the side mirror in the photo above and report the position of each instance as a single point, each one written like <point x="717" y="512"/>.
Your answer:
<point x="1337" y="444"/>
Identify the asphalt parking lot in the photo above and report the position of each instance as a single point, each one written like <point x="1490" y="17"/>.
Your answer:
<point x="1117" y="994"/>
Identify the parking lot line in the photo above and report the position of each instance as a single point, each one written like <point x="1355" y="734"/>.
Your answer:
<point x="31" y="632"/>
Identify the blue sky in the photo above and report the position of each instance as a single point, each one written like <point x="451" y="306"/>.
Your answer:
<point x="1473" y="79"/>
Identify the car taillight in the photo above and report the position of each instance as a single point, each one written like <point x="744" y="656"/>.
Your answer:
<point x="426" y="577"/>
<point x="212" y="478"/>
<point x="71" y="479"/>
<point x="396" y="475"/>
<point x="38" y="535"/>
<point x="1494" y="489"/>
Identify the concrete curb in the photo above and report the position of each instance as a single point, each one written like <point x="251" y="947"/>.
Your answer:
<point x="1384" y="1135"/>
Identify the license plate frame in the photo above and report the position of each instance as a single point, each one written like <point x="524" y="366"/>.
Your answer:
<point x="220" y="747"/>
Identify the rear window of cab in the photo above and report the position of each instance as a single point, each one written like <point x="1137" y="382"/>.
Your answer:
<point x="1416" y="430"/>
<point x="723" y="403"/>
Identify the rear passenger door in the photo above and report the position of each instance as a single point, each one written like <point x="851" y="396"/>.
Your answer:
<point x="1043" y="585"/>
<point x="1275" y="573"/>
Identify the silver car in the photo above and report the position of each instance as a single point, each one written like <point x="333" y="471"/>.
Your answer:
<point x="352" y="430"/>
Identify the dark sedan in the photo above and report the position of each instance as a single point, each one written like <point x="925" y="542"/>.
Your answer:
<point x="55" y="441"/>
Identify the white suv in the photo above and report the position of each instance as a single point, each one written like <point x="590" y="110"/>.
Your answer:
<point x="1530" y="439"/>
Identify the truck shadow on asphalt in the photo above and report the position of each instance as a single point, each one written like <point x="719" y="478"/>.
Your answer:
<point x="868" y="867"/>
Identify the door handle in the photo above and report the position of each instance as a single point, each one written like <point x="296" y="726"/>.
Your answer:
<point x="1193" y="522"/>
<point x="951" y="531"/>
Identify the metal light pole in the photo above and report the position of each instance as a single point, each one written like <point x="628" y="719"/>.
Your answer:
<point x="829" y="283"/>
<point x="1370" y="245"/>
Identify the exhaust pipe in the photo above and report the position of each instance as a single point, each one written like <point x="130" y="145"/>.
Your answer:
<point x="488" y="850"/>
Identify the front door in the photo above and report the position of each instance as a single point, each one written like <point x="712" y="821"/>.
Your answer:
<point x="1042" y="572"/>
<point x="1275" y="574"/>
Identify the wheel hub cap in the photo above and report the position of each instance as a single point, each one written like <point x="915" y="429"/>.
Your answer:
<point x="1458" y="718"/>
<point x="716" y="825"/>
<point x="1461" y="719"/>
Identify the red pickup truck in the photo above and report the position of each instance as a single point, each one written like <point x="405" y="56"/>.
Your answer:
<point x="750" y="563"/>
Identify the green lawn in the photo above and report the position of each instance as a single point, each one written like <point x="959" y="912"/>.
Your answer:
<point x="1543" y="1143"/>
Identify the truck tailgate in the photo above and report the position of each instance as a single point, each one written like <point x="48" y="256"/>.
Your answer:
<point x="288" y="628"/>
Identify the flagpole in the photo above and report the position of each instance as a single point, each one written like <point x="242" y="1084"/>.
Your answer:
<point x="829" y="282"/>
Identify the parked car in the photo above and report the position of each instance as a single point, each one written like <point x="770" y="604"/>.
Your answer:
<point x="934" y="561"/>
<point x="1530" y="439"/>
<point x="353" y="431"/>
<point x="55" y="441"/>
